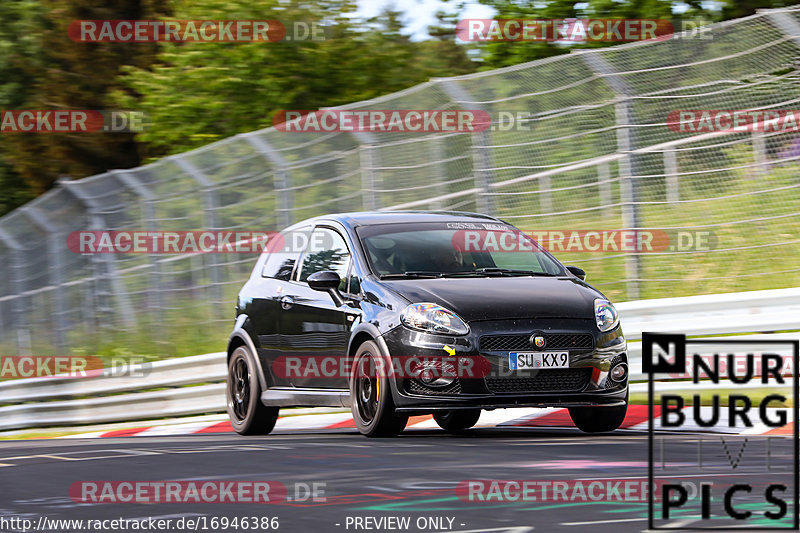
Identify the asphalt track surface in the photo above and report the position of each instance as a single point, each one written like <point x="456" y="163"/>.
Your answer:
<point x="413" y="475"/>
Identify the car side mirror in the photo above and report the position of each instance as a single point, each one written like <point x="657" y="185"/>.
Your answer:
<point x="577" y="272"/>
<point x="327" y="281"/>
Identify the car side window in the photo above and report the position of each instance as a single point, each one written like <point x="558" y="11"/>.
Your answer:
<point x="282" y="253"/>
<point x="327" y="250"/>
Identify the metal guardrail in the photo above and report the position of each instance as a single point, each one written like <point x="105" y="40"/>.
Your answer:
<point x="198" y="369"/>
<point x="194" y="385"/>
<point x="190" y="386"/>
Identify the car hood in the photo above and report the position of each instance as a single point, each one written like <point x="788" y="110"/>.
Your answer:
<point x="497" y="298"/>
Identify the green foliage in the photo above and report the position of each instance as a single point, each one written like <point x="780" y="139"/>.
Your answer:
<point x="201" y="92"/>
<point x="18" y="18"/>
<point x="501" y="54"/>
<point x="47" y="70"/>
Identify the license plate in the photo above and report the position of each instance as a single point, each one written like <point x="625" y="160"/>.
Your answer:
<point x="537" y="360"/>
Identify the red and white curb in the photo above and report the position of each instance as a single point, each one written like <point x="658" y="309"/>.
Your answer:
<point x="636" y="419"/>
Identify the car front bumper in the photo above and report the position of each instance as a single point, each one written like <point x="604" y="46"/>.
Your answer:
<point x="586" y="381"/>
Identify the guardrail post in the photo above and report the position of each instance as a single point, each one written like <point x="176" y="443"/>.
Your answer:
<point x="20" y="314"/>
<point x="626" y="143"/>
<point x="481" y="149"/>
<point x="284" y="199"/>
<point x="55" y="246"/>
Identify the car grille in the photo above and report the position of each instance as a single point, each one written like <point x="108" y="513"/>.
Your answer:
<point x="552" y="380"/>
<point x="415" y="387"/>
<point x="499" y="343"/>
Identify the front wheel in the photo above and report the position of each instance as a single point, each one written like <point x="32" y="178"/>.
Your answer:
<point x="457" y="420"/>
<point x="598" y="419"/>
<point x="248" y="415"/>
<point x="371" y="396"/>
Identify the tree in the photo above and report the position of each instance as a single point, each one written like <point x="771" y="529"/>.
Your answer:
<point x="201" y="92"/>
<point x="500" y="54"/>
<point x="18" y="18"/>
<point x="51" y="72"/>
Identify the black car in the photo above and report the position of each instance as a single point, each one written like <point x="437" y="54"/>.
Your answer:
<point x="405" y="313"/>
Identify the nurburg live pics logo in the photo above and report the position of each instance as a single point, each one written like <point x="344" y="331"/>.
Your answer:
<point x="749" y="468"/>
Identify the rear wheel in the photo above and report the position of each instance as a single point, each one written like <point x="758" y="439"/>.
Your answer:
<point x="371" y="395"/>
<point x="457" y="420"/>
<point x="248" y="415"/>
<point x="598" y="419"/>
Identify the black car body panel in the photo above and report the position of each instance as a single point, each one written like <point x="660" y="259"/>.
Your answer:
<point x="276" y="317"/>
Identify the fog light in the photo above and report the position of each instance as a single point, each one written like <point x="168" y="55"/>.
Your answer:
<point x="435" y="374"/>
<point x="619" y="373"/>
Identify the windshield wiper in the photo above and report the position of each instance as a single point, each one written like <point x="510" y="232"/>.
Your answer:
<point x="509" y="272"/>
<point x="414" y="274"/>
<point x="488" y="271"/>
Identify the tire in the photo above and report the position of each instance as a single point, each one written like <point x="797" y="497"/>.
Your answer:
<point x="457" y="420"/>
<point x="371" y="395"/>
<point x="243" y="394"/>
<point x="598" y="419"/>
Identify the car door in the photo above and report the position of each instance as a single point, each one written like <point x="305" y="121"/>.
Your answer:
<point x="269" y="288"/>
<point x="314" y="330"/>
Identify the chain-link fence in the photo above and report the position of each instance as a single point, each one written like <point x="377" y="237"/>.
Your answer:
<point x="596" y="154"/>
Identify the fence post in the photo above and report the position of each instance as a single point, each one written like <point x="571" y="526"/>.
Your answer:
<point x="481" y="149"/>
<point x="603" y="175"/>
<point x="440" y="154"/>
<point x="104" y="264"/>
<point x="784" y="22"/>
<point x="154" y="294"/>
<point x="55" y="246"/>
<point x="671" y="175"/>
<point x="284" y="199"/>
<point x="760" y="151"/>
<point x="20" y="314"/>
<point x="626" y="143"/>
<point x="370" y="199"/>
<point x="210" y="200"/>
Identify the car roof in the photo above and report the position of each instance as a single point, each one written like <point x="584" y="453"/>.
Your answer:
<point x="368" y="218"/>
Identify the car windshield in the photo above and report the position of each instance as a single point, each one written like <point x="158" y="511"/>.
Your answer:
<point x="454" y="249"/>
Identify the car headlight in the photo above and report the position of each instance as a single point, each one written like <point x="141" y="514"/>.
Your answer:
<point x="433" y="318"/>
<point x="605" y="314"/>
